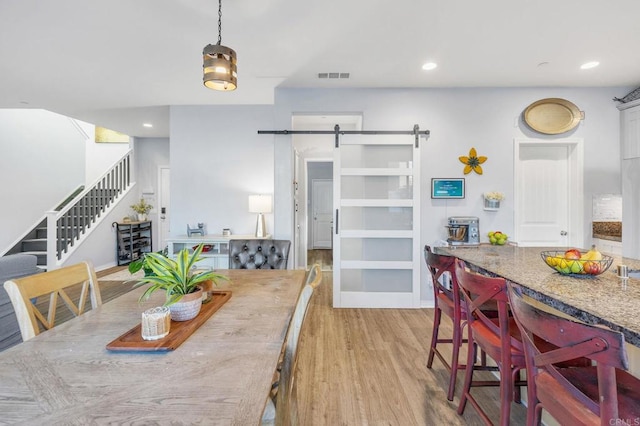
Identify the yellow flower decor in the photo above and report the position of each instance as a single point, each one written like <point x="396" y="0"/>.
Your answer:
<point x="473" y="162"/>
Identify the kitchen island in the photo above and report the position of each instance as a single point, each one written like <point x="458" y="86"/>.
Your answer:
<point x="602" y="299"/>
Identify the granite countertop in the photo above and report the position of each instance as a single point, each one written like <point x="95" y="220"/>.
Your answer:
<point x="598" y="299"/>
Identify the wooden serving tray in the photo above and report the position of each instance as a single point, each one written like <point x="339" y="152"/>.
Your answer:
<point x="179" y="332"/>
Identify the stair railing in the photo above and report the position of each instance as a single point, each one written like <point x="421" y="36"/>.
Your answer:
<point x="68" y="226"/>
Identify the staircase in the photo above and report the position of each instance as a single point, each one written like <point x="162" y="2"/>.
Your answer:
<point x="59" y="232"/>
<point x="35" y="243"/>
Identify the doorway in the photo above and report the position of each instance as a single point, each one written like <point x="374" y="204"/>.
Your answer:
<point x="549" y="192"/>
<point x="320" y="213"/>
<point x="311" y="151"/>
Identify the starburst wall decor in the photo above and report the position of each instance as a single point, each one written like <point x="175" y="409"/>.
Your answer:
<point x="472" y="162"/>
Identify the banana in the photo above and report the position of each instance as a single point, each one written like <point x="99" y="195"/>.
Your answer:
<point x="592" y="254"/>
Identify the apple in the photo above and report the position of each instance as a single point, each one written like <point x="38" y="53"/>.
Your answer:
<point x="573" y="254"/>
<point x="592" y="268"/>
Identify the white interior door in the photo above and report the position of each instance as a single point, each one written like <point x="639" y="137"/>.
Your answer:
<point x="376" y="250"/>
<point x="322" y="213"/>
<point x="548" y="193"/>
<point x="164" y="202"/>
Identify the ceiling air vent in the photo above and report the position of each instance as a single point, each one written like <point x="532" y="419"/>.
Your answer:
<point x="333" y="75"/>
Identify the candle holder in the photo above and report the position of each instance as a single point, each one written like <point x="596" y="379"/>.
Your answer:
<point x="156" y="323"/>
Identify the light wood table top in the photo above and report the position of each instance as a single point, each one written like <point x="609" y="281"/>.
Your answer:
<point x="220" y="375"/>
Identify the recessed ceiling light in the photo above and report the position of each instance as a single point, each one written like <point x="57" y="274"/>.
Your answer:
<point x="589" y="65"/>
<point x="429" y="66"/>
<point x="147" y="125"/>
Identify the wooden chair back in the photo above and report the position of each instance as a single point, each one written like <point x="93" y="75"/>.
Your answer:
<point x="573" y="340"/>
<point x="314" y="277"/>
<point x="24" y="293"/>
<point x="438" y="265"/>
<point x="284" y="402"/>
<point x="480" y="291"/>
<point x="446" y="300"/>
<point x="497" y="336"/>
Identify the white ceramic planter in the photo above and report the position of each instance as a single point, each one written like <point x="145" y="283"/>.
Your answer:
<point x="188" y="307"/>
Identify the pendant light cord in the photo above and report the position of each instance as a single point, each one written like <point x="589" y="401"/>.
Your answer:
<point x="219" y="22"/>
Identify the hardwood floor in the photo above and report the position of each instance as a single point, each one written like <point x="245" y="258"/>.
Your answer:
<point x="368" y="367"/>
<point x="322" y="256"/>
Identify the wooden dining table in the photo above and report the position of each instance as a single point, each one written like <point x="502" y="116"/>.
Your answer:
<point x="221" y="374"/>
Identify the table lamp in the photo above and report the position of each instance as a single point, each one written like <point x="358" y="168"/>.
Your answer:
<point x="260" y="204"/>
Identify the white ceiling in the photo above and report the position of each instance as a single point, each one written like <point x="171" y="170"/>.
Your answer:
<point x="120" y="63"/>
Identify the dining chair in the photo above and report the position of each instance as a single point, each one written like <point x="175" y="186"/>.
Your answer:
<point x="281" y="405"/>
<point x="25" y="291"/>
<point x="498" y="337"/>
<point x="600" y="394"/>
<point x="446" y="300"/>
<point x="258" y="254"/>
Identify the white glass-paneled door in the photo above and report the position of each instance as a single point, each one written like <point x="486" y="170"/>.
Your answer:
<point x="376" y="243"/>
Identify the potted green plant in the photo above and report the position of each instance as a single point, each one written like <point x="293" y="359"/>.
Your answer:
<point x="178" y="279"/>
<point x="140" y="263"/>
<point x="142" y="208"/>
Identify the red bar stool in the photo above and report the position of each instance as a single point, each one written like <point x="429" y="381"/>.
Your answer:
<point x="446" y="301"/>
<point x="498" y="337"/>
<point x="602" y="394"/>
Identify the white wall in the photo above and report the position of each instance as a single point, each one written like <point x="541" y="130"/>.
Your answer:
<point x="42" y="160"/>
<point x="217" y="161"/>
<point x="99" y="156"/>
<point x="217" y="149"/>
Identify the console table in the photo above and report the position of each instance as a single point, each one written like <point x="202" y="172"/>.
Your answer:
<point x="216" y="253"/>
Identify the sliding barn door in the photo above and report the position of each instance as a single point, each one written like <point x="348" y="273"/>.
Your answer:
<point x="376" y="226"/>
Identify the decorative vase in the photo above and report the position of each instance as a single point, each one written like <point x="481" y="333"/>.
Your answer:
<point x="188" y="307"/>
<point x="142" y="217"/>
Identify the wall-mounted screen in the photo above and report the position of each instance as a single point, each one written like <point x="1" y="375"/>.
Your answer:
<point x="447" y="188"/>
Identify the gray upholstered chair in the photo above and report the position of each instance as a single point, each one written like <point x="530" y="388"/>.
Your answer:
<point x="13" y="266"/>
<point x="258" y="254"/>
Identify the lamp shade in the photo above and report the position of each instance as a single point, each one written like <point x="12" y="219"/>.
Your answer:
<point x="260" y="203"/>
<point x="219" y="67"/>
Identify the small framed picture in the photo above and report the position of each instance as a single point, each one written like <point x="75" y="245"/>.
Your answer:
<point x="447" y="188"/>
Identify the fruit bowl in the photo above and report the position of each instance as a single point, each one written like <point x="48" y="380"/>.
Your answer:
<point x="558" y="262"/>
<point x="497" y="238"/>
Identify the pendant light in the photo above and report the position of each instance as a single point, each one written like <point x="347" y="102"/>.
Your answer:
<point x="219" y="62"/>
